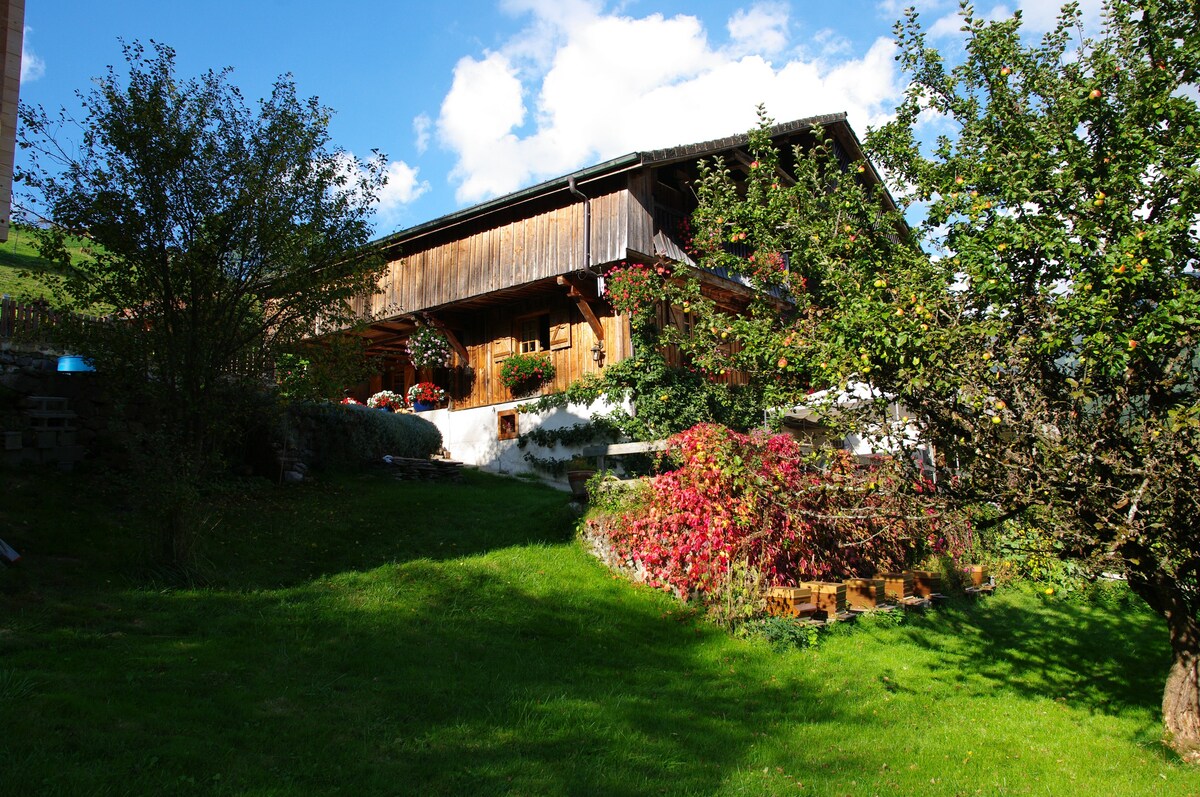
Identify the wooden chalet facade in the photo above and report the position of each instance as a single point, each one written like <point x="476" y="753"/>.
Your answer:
<point x="524" y="273"/>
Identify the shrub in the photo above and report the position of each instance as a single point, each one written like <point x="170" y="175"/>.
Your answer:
<point x="781" y="633"/>
<point x="351" y="435"/>
<point x="755" y="501"/>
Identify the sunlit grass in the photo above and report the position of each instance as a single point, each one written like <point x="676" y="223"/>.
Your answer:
<point x="368" y="636"/>
<point x="24" y="275"/>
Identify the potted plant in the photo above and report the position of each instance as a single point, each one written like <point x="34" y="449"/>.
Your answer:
<point x="428" y="348"/>
<point x="386" y="400"/>
<point x="525" y="373"/>
<point x="425" y="396"/>
<point x="580" y="470"/>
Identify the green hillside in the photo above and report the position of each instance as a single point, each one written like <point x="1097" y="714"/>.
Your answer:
<point x="23" y="272"/>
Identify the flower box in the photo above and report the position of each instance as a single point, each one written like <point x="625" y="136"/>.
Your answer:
<point x="425" y="396"/>
<point x="524" y="373"/>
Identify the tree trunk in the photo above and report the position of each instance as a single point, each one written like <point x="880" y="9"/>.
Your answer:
<point x="1181" y="698"/>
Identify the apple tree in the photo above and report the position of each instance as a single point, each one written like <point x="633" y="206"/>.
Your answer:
<point x="1042" y="319"/>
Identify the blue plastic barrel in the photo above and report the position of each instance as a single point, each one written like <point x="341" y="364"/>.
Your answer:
<point x="74" y="364"/>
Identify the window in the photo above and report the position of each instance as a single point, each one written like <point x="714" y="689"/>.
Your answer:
<point x="533" y="333"/>
<point x="507" y="428"/>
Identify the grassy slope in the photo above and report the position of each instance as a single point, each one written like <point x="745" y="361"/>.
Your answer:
<point x="22" y="270"/>
<point x="375" y="637"/>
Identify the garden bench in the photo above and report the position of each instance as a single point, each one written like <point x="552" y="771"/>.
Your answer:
<point x="619" y="449"/>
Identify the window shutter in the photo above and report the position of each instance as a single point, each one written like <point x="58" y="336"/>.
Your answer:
<point x="501" y="333"/>
<point x="560" y="329"/>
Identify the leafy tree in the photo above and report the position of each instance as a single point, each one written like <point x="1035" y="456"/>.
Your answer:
<point x="220" y="234"/>
<point x="1048" y="344"/>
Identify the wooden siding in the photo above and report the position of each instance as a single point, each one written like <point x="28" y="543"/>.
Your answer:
<point x="489" y="339"/>
<point x="511" y="253"/>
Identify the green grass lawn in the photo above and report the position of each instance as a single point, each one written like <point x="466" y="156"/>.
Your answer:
<point x="22" y="269"/>
<point x="365" y="636"/>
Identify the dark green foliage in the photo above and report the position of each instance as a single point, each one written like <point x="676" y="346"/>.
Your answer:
<point x="667" y="398"/>
<point x="574" y="435"/>
<point x="221" y="234"/>
<point x="782" y="633"/>
<point x="351" y="435"/>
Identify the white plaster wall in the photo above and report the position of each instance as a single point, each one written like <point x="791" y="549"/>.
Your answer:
<point x="471" y="436"/>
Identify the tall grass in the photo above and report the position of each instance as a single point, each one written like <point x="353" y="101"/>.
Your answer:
<point x="368" y="636"/>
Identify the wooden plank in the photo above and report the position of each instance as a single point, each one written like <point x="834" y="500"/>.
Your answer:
<point x="617" y="449"/>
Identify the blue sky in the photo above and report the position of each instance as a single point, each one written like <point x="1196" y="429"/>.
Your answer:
<point x="470" y="99"/>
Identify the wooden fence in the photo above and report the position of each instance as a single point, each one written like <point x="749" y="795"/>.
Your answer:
<point x="26" y="322"/>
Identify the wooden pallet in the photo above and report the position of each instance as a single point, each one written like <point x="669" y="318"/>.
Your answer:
<point x="883" y="607"/>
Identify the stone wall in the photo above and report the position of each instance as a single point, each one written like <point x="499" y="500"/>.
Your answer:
<point x="47" y="417"/>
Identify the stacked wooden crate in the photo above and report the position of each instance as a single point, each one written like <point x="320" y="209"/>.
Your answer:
<point x="897" y="586"/>
<point x="976" y="581"/>
<point x="828" y="596"/>
<point x="865" y="593"/>
<point x="926" y="583"/>
<point x="790" y="602"/>
<point x="975" y="575"/>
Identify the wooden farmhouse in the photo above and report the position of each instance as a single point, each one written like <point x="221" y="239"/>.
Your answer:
<point x="524" y="273"/>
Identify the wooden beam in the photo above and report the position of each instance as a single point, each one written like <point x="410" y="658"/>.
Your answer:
<point x="581" y="301"/>
<point x="743" y="157"/>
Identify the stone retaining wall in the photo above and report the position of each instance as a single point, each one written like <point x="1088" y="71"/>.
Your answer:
<point x="47" y="417"/>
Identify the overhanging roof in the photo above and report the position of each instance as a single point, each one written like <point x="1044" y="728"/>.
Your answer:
<point x="633" y="160"/>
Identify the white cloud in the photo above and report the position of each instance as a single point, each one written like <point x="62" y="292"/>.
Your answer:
<point x="422" y="125"/>
<point x="762" y="29"/>
<point x="830" y="43"/>
<point x="1041" y="16"/>
<point x="577" y="86"/>
<point x="1037" y="17"/>
<point x="403" y="188"/>
<point x="32" y="66"/>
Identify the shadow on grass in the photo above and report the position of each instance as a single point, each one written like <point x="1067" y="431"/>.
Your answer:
<point x="1065" y="650"/>
<point x="489" y="676"/>
<point x="82" y="531"/>
<point x="358" y="522"/>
